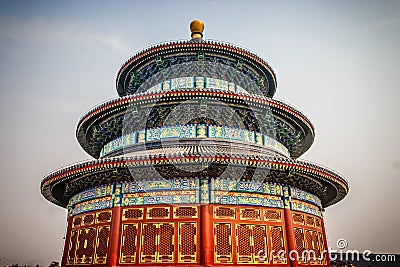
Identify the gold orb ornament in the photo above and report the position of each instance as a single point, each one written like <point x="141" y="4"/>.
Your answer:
<point x="197" y="28"/>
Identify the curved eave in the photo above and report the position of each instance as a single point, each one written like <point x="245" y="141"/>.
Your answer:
<point x="52" y="185"/>
<point x="119" y="105"/>
<point x="143" y="57"/>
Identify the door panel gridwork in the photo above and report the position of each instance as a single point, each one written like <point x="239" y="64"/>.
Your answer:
<point x="102" y="242"/>
<point x="277" y="245"/>
<point x="323" y="254"/>
<point x="273" y="215"/>
<point x="77" y="221"/>
<point x="244" y="243"/>
<point x="85" y="246"/>
<point x="103" y="217"/>
<point x="250" y="214"/>
<point x="222" y="243"/>
<point x="157" y="234"/>
<point x="129" y="243"/>
<point x="72" y="247"/>
<point x="300" y="245"/>
<point x="260" y="244"/>
<point x="255" y="231"/>
<point x="187" y="242"/>
<point x="89" y="239"/>
<point x="185" y="212"/>
<point x="309" y="240"/>
<point x="224" y="213"/>
<point x="166" y="242"/>
<point x="157" y="242"/>
<point x="315" y="245"/>
<point x="158" y="213"/>
<point x="88" y="219"/>
<point x="132" y="214"/>
<point x="149" y="242"/>
<point x="298" y="218"/>
<point x="251" y="243"/>
<point x="317" y="223"/>
<point x="310" y="221"/>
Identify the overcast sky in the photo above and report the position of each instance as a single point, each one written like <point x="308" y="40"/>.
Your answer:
<point x="337" y="63"/>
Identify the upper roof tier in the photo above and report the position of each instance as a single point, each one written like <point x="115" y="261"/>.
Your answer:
<point x="161" y="58"/>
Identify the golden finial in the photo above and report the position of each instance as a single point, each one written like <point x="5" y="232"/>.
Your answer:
<point x="197" y="28"/>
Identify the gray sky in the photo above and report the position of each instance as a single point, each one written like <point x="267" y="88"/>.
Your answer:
<point x="337" y="63"/>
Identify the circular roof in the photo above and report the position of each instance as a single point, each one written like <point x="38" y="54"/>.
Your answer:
<point x="148" y="62"/>
<point x="107" y="115"/>
<point x="60" y="185"/>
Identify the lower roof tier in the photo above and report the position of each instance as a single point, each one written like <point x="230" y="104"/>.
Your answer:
<point x="206" y="162"/>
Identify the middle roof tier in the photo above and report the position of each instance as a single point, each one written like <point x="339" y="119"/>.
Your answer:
<point x="221" y="107"/>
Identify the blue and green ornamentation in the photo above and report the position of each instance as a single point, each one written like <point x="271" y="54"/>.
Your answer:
<point x="193" y="132"/>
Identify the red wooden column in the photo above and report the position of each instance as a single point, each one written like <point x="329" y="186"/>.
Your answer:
<point x="66" y="241"/>
<point x="290" y="238"/>
<point x="325" y="243"/>
<point x="115" y="236"/>
<point x="206" y="236"/>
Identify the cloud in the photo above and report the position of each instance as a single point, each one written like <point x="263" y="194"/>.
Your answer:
<point x="75" y="33"/>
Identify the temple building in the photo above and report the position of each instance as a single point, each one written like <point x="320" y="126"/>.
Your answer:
<point x="195" y="164"/>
